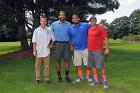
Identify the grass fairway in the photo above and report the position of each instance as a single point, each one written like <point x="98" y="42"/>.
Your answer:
<point x="18" y="75"/>
<point x="6" y="47"/>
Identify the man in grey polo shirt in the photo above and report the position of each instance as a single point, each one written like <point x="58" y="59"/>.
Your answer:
<point x="62" y="49"/>
<point x="41" y="39"/>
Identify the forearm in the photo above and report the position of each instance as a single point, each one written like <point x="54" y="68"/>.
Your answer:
<point x="107" y="43"/>
<point x="71" y="46"/>
<point x="34" y="46"/>
<point x="52" y="43"/>
<point x="70" y="43"/>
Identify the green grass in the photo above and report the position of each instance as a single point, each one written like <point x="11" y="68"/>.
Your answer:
<point x="18" y="75"/>
<point x="6" y="47"/>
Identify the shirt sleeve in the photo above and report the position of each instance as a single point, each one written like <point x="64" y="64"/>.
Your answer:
<point x="52" y="35"/>
<point x="103" y="32"/>
<point x="69" y="32"/>
<point x="52" y="26"/>
<point x="88" y="25"/>
<point x="34" y="36"/>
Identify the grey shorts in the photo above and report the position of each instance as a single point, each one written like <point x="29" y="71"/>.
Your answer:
<point x="96" y="59"/>
<point x="62" y="50"/>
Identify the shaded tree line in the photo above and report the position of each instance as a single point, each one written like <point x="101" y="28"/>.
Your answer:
<point x="124" y="26"/>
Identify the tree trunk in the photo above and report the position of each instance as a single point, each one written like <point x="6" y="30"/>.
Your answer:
<point x="23" y="37"/>
<point x="36" y="23"/>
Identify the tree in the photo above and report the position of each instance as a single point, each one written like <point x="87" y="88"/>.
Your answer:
<point x="119" y="27"/>
<point x="16" y="10"/>
<point x="135" y="22"/>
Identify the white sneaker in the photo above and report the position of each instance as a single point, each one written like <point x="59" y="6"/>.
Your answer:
<point x="89" y="78"/>
<point x="93" y="83"/>
<point x="79" y="79"/>
<point x="105" y="85"/>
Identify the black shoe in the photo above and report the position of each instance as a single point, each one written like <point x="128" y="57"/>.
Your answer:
<point x="38" y="82"/>
<point x="48" y="82"/>
<point x="60" y="79"/>
<point x="67" y="79"/>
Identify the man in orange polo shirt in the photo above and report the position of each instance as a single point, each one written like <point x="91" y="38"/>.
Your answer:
<point x="96" y="37"/>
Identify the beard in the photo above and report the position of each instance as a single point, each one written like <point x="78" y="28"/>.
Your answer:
<point x="75" y="23"/>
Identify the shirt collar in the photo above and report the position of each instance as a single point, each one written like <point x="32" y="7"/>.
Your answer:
<point x="77" y="25"/>
<point x="59" y="22"/>
<point x="42" y="28"/>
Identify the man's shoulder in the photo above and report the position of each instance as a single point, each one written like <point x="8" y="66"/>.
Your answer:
<point x="55" y="22"/>
<point x="67" y="22"/>
<point x="72" y="26"/>
<point x="84" y="24"/>
<point x="37" y="29"/>
<point x="48" y="29"/>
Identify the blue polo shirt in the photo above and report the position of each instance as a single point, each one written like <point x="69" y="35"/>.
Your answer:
<point x="78" y="35"/>
<point x="61" y="30"/>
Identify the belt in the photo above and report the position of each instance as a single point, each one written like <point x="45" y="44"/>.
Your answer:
<point x="62" y="41"/>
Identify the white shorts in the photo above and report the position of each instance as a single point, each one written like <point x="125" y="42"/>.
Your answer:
<point x="80" y="56"/>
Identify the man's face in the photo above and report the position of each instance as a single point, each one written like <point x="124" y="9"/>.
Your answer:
<point x="93" y="22"/>
<point x="61" y="16"/>
<point x="75" y="19"/>
<point x="43" y="21"/>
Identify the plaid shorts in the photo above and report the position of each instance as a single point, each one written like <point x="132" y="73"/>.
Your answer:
<point x="96" y="59"/>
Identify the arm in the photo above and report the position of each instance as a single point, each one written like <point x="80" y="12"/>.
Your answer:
<point x="107" y="46"/>
<point x="52" y="38"/>
<point x="71" y="46"/>
<point x="34" y="43"/>
<point x="34" y="49"/>
<point x="70" y="41"/>
<point x="50" y="46"/>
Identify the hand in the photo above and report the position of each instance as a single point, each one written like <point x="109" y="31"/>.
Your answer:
<point x="106" y="51"/>
<point x="34" y="53"/>
<point x="49" y="46"/>
<point x="72" y="48"/>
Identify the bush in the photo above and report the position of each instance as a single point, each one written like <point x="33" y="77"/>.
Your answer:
<point x="131" y="38"/>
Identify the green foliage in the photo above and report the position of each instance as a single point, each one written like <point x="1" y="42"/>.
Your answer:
<point x="131" y="38"/>
<point x="124" y="26"/>
<point x="119" y="27"/>
<point x="8" y="33"/>
<point x="135" y="22"/>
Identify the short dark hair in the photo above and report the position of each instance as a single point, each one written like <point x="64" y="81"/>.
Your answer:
<point x="43" y="16"/>
<point x="61" y="12"/>
<point x="92" y="17"/>
<point x="76" y="15"/>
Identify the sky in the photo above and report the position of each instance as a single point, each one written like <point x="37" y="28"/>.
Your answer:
<point x="125" y="9"/>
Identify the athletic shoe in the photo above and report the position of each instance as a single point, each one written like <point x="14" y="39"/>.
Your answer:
<point x="89" y="78"/>
<point x="105" y="85"/>
<point x="48" y="82"/>
<point x="94" y="82"/>
<point x="67" y="79"/>
<point x="60" y="79"/>
<point x="79" y="79"/>
<point x="37" y="82"/>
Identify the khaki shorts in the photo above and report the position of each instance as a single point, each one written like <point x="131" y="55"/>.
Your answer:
<point x="80" y="56"/>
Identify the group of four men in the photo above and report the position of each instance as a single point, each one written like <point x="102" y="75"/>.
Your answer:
<point x="86" y="40"/>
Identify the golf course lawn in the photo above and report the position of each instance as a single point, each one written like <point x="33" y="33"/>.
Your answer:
<point x="122" y="68"/>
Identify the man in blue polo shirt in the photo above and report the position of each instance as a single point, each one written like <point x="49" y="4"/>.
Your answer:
<point x="78" y="37"/>
<point x="62" y="48"/>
